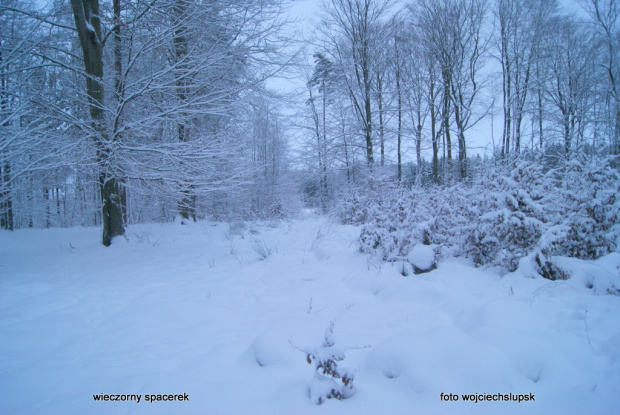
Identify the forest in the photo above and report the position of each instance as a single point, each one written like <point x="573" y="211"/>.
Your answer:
<point x="131" y="112"/>
<point x="309" y="206"/>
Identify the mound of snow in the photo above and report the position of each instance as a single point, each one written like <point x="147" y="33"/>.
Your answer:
<point x="271" y="348"/>
<point x="422" y="259"/>
<point x="441" y="359"/>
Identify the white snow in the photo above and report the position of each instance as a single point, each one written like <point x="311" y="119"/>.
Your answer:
<point x="196" y="309"/>
<point x="422" y="256"/>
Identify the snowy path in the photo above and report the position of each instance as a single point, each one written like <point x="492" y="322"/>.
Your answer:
<point x="193" y="310"/>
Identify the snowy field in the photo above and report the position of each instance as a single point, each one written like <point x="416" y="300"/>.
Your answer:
<point x="223" y="312"/>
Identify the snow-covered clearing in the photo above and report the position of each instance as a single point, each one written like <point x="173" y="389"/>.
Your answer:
<point x="220" y="312"/>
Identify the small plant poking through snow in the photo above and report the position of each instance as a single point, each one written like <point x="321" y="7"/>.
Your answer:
<point x="234" y="229"/>
<point x="330" y="380"/>
<point x="262" y="250"/>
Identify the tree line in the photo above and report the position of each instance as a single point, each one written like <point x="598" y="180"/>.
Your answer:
<point x="393" y="83"/>
<point x="129" y="111"/>
<point x="137" y="110"/>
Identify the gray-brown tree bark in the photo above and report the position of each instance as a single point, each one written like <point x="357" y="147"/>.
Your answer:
<point x="88" y="25"/>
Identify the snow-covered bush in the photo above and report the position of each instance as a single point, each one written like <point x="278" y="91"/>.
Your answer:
<point x="503" y="216"/>
<point x="453" y="209"/>
<point x="390" y="232"/>
<point x="406" y="218"/>
<point x="591" y="194"/>
<point x="532" y="212"/>
<point x="359" y="204"/>
<point x="512" y="217"/>
<point x="353" y="209"/>
<point x="330" y="380"/>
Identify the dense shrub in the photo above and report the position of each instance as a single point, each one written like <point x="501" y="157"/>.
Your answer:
<point x="360" y="204"/>
<point x="391" y="228"/>
<point x="353" y="209"/>
<point x="591" y="195"/>
<point x="512" y="216"/>
<point x="407" y="217"/>
<point x="503" y="216"/>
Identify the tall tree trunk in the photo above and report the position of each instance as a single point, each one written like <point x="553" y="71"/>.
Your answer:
<point x="368" y="112"/>
<point x="400" y="161"/>
<point x="187" y="205"/>
<point x="615" y="145"/>
<point x="507" y="110"/>
<point x="400" y="126"/>
<point x="418" y="146"/>
<point x="446" y="118"/>
<point x="119" y="90"/>
<point x="88" y="25"/>
<point x="418" y="139"/>
<point x="540" y="107"/>
<point x="6" y="220"/>
<point x="347" y="162"/>
<point x="461" y="139"/>
<point x="520" y="98"/>
<point x="506" y="78"/>
<point x="324" y="180"/>
<point x="434" y="137"/>
<point x="46" y="199"/>
<point x="6" y="203"/>
<point x="567" y="135"/>
<point x="381" y="126"/>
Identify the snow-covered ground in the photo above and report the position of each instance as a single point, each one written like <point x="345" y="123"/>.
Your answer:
<point x="222" y="312"/>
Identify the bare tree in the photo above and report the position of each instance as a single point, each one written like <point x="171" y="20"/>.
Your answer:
<point x="160" y="135"/>
<point x="468" y="51"/>
<point x="606" y="16"/>
<point x="571" y="88"/>
<point x="523" y="25"/>
<point x="35" y="143"/>
<point x="184" y="114"/>
<point x="453" y="32"/>
<point x="352" y="28"/>
<point x="88" y="24"/>
<point x="400" y="64"/>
